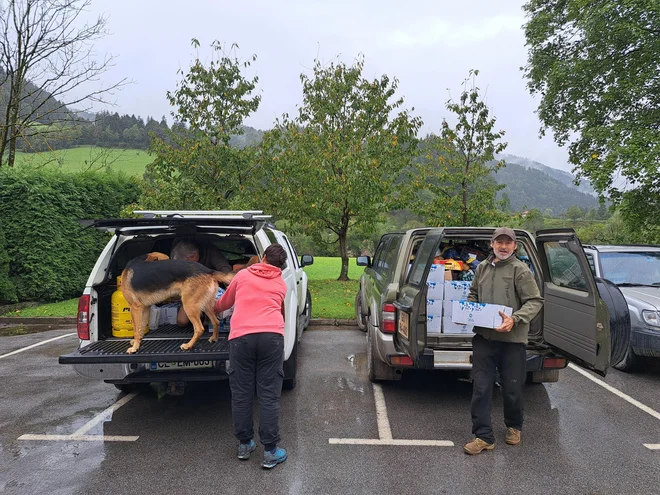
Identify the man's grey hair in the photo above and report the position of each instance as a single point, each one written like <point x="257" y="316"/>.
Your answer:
<point x="184" y="249"/>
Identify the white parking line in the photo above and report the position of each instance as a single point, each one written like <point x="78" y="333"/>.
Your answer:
<point x="652" y="446"/>
<point x="384" y="430"/>
<point x="80" y="433"/>
<point x="35" y="345"/>
<point x="615" y="391"/>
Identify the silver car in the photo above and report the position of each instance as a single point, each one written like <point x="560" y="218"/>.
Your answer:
<point x="635" y="270"/>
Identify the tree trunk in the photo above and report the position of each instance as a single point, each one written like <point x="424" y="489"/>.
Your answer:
<point x="464" y="207"/>
<point x="343" y="252"/>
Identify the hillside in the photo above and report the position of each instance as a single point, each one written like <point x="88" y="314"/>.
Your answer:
<point x="529" y="188"/>
<point x="560" y="175"/>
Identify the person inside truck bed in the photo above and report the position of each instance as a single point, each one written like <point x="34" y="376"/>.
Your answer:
<point x="501" y="279"/>
<point x="208" y="255"/>
<point x="256" y="352"/>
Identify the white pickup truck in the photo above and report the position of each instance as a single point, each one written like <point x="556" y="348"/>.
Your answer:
<point x="239" y="235"/>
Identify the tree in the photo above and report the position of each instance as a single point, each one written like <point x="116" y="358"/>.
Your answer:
<point x="533" y="221"/>
<point x="574" y="213"/>
<point x="594" y="65"/>
<point x="452" y="183"/>
<point x="334" y="166"/>
<point x="47" y="64"/>
<point x="211" y="102"/>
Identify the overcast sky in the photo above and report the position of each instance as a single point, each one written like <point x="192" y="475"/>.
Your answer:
<point x="428" y="45"/>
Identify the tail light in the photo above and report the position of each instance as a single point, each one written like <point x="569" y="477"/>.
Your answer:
<point x="554" y="363"/>
<point x="401" y="360"/>
<point x="83" y="317"/>
<point x="388" y="318"/>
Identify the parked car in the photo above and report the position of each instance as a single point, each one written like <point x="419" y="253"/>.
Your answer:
<point x="391" y="304"/>
<point x="239" y="235"/>
<point x="636" y="271"/>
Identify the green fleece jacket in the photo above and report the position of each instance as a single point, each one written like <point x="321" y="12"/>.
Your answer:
<point x="510" y="283"/>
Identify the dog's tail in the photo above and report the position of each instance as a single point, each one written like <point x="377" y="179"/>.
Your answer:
<point x="223" y="278"/>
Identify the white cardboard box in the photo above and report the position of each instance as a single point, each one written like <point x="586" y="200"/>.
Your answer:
<point x="435" y="289"/>
<point x="478" y="314"/>
<point x="433" y="325"/>
<point x="167" y="314"/>
<point x="434" y="307"/>
<point x="457" y="290"/>
<point x="448" y="326"/>
<point x="446" y="308"/>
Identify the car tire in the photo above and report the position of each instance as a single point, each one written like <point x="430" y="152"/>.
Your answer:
<point x="359" y="316"/>
<point x="127" y="388"/>
<point x="620" y="328"/>
<point x="307" y="313"/>
<point x="378" y="371"/>
<point x="630" y="361"/>
<point x="290" y="369"/>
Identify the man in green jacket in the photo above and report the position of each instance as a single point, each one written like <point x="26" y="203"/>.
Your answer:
<point x="501" y="279"/>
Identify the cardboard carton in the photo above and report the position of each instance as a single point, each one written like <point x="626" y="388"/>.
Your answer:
<point x="434" y="307"/>
<point x="446" y="308"/>
<point x="435" y="289"/>
<point x="457" y="290"/>
<point x="478" y="314"/>
<point x="448" y="327"/>
<point x="433" y="325"/>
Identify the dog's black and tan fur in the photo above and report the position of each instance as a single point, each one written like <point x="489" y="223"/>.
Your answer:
<point x="153" y="278"/>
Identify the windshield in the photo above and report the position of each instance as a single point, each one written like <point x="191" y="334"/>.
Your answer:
<point x="641" y="268"/>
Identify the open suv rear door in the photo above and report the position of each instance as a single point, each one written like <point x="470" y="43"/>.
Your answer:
<point x="411" y="332"/>
<point x="575" y="318"/>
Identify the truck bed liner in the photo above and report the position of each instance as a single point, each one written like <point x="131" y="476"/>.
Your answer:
<point x="161" y="345"/>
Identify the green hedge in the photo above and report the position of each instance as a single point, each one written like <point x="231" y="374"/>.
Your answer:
<point x="45" y="255"/>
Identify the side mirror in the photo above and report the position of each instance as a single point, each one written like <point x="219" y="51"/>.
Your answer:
<point x="364" y="261"/>
<point x="306" y="260"/>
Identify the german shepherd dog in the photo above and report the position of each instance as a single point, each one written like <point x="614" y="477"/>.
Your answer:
<point x="144" y="283"/>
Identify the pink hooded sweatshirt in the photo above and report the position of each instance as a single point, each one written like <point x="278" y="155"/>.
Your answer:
<point x="257" y="294"/>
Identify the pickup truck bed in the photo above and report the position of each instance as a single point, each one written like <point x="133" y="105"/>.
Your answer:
<point x="161" y="345"/>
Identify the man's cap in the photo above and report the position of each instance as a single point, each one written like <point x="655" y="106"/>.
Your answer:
<point x="504" y="231"/>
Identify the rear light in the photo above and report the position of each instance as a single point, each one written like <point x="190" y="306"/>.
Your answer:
<point x="401" y="360"/>
<point x="554" y="363"/>
<point x="83" y="317"/>
<point x="388" y="318"/>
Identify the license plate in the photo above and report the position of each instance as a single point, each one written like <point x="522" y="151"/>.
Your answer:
<point x="181" y="365"/>
<point x="404" y="319"/>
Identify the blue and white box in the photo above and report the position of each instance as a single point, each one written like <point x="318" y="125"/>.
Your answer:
<point x="435" y="289"/>
<point x="433" y="325"/>
<point x="434" y="307"/>
<point x="449" y="327"/>
<point x="446" y="308"/>
<point x="457" y="290"/>
<point x="436" y="282"/>
<point x="478" y="314"/>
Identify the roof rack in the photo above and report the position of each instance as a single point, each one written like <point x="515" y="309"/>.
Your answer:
<point x="247" y="214"/>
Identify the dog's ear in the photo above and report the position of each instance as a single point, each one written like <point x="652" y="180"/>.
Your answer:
<point x="156" y="257"/>
<point x="253" y="260"/>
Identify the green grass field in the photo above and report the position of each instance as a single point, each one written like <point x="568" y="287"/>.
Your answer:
<point x="330" y="298"/>
<point x="130" y="161"/>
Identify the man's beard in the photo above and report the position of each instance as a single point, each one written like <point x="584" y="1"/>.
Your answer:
<point x="501" y="256"/>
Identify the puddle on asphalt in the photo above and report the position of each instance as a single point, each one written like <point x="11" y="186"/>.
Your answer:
<point x="358" y="361"/>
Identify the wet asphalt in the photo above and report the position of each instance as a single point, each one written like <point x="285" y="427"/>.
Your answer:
<point x="578" y="437"/>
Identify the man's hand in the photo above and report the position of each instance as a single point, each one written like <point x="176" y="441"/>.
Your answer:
<point x="507" y="323"/>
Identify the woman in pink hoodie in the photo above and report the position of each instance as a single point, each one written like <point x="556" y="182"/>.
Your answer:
<point x="256" y="352"/>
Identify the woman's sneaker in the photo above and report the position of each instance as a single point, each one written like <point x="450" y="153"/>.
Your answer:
<point x="274" y="457"/>
<point x="245" y="449"/>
